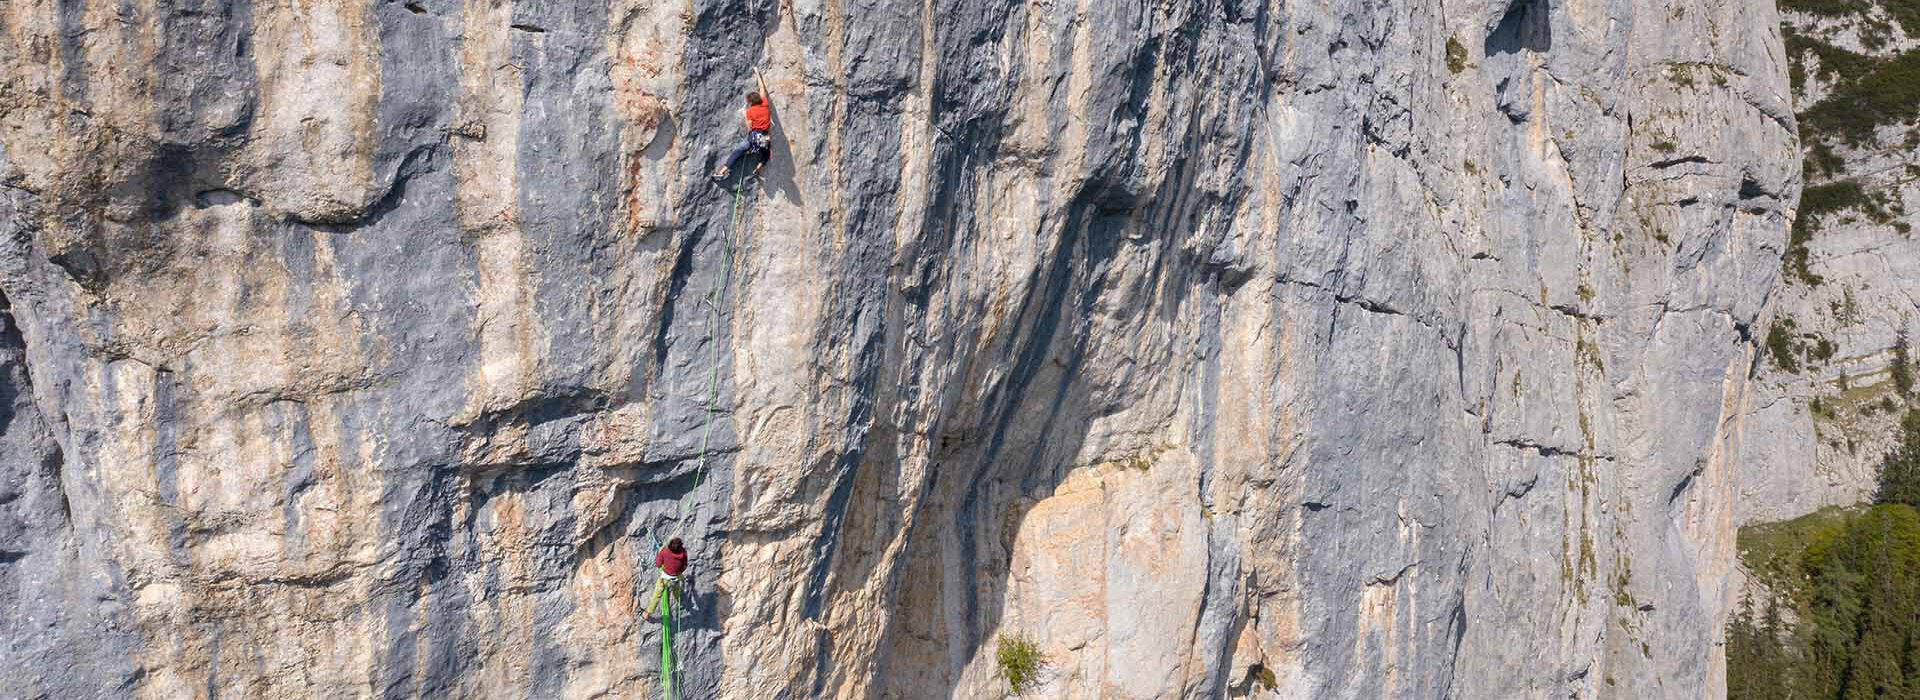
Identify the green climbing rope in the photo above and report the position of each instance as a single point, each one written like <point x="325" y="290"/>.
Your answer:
<point x="666" y="645"/>
<point x="663" y="604"/>
<point x="713" y="353"/>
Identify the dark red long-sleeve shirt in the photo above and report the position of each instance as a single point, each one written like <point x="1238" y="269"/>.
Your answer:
<point x="670" y="562"/>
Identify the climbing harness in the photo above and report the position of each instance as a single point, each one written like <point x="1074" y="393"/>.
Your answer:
<point x="663" y="604"/>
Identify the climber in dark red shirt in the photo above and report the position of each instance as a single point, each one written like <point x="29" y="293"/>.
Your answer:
<point x="672" y="560"/>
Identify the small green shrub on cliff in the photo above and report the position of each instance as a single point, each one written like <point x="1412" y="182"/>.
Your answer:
<point x="1822" y="161"/>
<point x="1819" y="408"/>
<point x="1822" y="351"/>
<point x="1456" y="55"/>
<point x="1020" y="661"/>
<point x="1782" y="347"/>
<point x="1902" y="369"/>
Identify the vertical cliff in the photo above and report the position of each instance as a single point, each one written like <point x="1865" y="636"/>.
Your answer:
<point x="1343" y="349"/>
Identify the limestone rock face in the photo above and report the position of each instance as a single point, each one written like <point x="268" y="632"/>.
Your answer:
<point x="1828" y="407"/>
<point x="1342" y="349"/>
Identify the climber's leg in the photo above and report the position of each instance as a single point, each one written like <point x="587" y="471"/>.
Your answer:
<point x="664" y="588"/>
<point x="762" y="146"/>
<point x="653" y="599"/>
<point x="746" y="144"/>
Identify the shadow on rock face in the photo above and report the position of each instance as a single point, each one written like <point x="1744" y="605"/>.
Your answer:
<point x="779" y="174"/>
<point x="1525" y="27"/>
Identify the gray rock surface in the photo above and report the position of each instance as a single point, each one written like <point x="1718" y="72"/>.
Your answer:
<point x="64" y="604"/>
<point x="1346" y="349"/>
<point x="1819" y="427"/>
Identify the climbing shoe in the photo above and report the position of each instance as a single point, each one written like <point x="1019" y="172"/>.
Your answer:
<point x="720" y="174"/>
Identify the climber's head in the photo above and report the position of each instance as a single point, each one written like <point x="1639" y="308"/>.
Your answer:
<point x="753" y="98"/>
<point x="674" y="546"/>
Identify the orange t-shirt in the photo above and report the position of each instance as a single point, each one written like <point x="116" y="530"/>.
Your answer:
<point x="759" y="118"/>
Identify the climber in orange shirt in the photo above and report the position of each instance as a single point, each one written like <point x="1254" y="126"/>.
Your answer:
<point x="759" y="136"/>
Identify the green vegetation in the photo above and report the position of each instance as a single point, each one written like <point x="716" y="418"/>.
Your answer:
<point x="1821" y="161"/>
<point x="1265" y="677"/>
<point x="1900" y="474"/>
<point x="1875" y="31"/>
<point x="1906" y="12"/>
<point x="1588" y="352"/>
<point x="1783" y="347"/>
<point x="1845" y="310"/>
<point x="1456" y="55"/>
<point x="1680" y="74"/>
<point x="1822" y="201"/>
<point x="1795" y="258"/>
<point x="1822" y="351"/>
<point x="1020" y="661"/>
<point x="1772" y="551"/>
<point x="1886" y="93"/>
<point x="1851" y="580"/>
<point x="1902" y="369"/>
<point x="1685" y="74"/>
<point x="1833" y="62"/>
<point x="1866" y="92"/>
